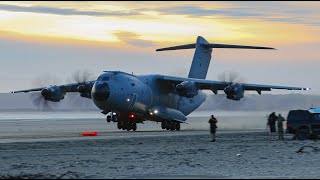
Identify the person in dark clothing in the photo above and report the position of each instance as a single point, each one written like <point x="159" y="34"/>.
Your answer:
<point x="213" y="126"/>
<point x="272" y="124"/>
<point x="280" y="119"/>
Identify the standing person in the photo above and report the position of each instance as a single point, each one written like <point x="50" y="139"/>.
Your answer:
<point x="280" y="119"/>
<point x="272" y="124"/>
<point x="213" y="126"/>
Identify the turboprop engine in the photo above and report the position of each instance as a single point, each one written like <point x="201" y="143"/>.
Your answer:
<point x="53" y="93"/>
<point x="234" y="91"/>
<point x="85" y="90"/>
<point x="187" y="89"/>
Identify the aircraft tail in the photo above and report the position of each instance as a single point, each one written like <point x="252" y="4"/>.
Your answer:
<point x="202" y="55"/>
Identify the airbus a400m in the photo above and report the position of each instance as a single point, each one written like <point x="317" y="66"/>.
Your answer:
<point x="129" y="99"/>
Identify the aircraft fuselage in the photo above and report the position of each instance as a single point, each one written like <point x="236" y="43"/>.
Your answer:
<point x="141" y="94"/>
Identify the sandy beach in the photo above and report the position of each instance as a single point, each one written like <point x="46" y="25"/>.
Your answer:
<point x="188" y="154"/>
<point x="151" y="153"/>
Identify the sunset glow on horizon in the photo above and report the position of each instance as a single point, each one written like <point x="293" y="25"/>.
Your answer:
<point x="158" y="24"/>
<point x="40" y="36"/>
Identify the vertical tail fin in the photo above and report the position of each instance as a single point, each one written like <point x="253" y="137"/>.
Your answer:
<point x="201" y="60"/>
<point x="202" y="55"/>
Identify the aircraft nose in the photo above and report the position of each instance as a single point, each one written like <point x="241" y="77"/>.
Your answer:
<point x="101" y="91"/>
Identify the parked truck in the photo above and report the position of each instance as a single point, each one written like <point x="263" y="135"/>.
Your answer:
<point x="304" y="124"/>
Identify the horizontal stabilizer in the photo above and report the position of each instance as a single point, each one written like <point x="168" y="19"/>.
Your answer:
<point x="203" y="53"/>
<point x="186" y="46"/>
<point x="233" y="46"/>
<point x="192" y="46"/>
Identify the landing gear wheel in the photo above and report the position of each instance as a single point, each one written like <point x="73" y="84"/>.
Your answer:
<point x="124" y="125"/>
<point x="171" y="126"/>
<point x="108" y="118"/>
<point x="134" y="127"/>
<point x="131" y="126"/>
<point x="119" y="125"/>
<point x="175" y="126"/>
<point x="178" y="127"/>
<point x="127" y="125"/>
<point x="163" y="126"/>
<point x="168" y="127"/>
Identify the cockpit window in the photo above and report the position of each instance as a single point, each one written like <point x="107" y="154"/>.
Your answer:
<point x="99" y="78"/>
<point x="105" y="78"/>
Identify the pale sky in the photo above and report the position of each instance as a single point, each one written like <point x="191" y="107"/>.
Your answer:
<point x="38" y="39"/>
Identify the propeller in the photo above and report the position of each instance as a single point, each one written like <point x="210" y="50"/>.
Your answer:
<point x="81" y="77"/>
<point x="231" y="76"/>
<point x="38" y="98"/>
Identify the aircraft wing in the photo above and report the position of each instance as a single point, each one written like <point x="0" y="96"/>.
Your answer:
<point x="214" y="86"/>
<point x="28" y="90"/>
<point x="66" y="87"/>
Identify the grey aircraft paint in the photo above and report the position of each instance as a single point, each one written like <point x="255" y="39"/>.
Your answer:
<point x="201" y="60"/>
<point x="129" y="99"/>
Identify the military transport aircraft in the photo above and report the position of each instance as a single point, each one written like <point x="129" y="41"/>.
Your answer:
<point x="129" y="99"/>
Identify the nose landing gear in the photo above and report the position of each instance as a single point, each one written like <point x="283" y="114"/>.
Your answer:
<point x="112" y="117"/>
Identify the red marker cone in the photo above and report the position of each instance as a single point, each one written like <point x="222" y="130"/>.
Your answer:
<point x="89" y="133"/>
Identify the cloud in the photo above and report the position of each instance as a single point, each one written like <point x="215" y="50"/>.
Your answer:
<point x="199" y="11"/>
<point x="132" y="39"/>
<point x="64" y="11"/>
<point x="269" y="11"/>
<point x="275" y="12"/>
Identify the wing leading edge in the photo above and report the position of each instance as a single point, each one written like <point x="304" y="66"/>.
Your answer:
<point x="220" y="85"/>
<point x="67" y="88"/>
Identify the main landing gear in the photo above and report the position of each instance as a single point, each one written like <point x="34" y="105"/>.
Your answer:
<point x="125" y="121"/>
<point x="127" y="125"/>
<point x="170" y="125"/>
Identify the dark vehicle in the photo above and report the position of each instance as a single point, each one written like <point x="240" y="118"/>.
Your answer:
<point x="304" y="124"/>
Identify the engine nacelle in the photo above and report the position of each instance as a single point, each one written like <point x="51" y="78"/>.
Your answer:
<point x="85" y="90"/>
<point x="187" y="89"/>
<point x="234" y="92"/>
<point x="53" y="93"/>
<point x="82" y="89"/>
